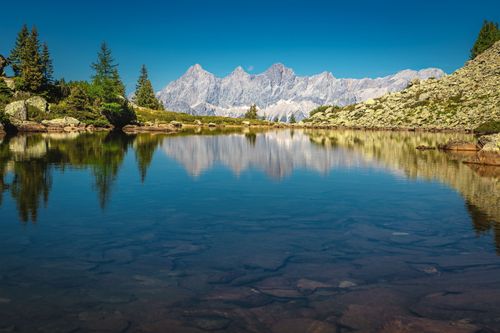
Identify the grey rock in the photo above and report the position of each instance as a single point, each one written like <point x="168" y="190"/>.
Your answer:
<point x="38" y="102"/>
<point x="17" y="111"/>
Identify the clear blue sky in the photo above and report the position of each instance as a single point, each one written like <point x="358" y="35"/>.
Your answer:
<point x="349" y="38"/>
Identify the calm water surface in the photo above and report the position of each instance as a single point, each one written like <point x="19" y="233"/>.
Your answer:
<point x="277" y="231"/>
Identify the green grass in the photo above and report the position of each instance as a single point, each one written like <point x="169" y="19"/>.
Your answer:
<point x="144" y="115"/>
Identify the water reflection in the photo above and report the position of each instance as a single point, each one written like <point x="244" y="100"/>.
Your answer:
<point x="27" y="162"/>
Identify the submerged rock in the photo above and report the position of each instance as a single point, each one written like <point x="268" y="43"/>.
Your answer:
<point x="347" y="284"/>
<point x="459" y="145"/>
<point x="490" y="151"/>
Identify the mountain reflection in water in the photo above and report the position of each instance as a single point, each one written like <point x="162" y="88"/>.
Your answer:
<point x="30" y="160"/>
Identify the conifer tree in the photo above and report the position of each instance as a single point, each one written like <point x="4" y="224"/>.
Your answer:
<point x="109" y="90"/>
<point x="48" y="69"/>
<point x="144" y="93"/>
<point x="16" y="55"/>
<point x="292" y="119"/>
<point x="252" y="112"/>
<point x="488" y="35"/>
<point x="106" y="80"/>
<point x="31" y="78"/>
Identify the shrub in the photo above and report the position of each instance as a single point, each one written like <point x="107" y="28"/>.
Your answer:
<point x="490" y="127"/>
<point x="118" y="114"/>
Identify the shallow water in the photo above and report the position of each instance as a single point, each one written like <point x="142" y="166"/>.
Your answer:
<point x="277" y="231"/>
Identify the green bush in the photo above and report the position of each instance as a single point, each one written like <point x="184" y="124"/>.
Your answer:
<point x="490" y="127"/>
<point x="118" y="114"/>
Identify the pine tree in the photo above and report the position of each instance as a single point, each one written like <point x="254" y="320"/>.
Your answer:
<point x="106" y="80"/>
<point x="78" y="99"/>
<point x="31" y="78"/>
<point x="109" y="91"/>
<point x="48" y="69"/>
<point x="488" y="35"/>
<point x="16" y="55"/>
<point x="252" y="112"/>
<point x="144" y="93"/>
<point x="292" y="119"/>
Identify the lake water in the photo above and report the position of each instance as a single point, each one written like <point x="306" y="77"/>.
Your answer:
<point x="273" y="231"/>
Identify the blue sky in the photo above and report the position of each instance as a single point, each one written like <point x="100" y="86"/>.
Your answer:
<point x="348" y="38"/>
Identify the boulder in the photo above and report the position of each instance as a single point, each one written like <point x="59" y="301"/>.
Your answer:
<point x="30" y="126"/>
<point x="370" y="101"/>
<point x="212" y="125"/>
<point x="245" y="123"/>
<point x="61" y="122"/>
<point x="490" y="143"/>
<point x="198" y="122"/>
<point x="17" y="111"/>
<point x="424" y="97"/>
<point x="176" y="124"/>
<point x="459" y="145"/>
<point x="38" y="102"/>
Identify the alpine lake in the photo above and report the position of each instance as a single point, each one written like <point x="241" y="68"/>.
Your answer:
<point x="293" y="231"/>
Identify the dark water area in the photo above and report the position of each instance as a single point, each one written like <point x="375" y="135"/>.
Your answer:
<point x="243" y="231"/>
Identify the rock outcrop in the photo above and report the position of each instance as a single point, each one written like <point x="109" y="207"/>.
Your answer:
<point x="490" y="151"/>
<point x="17" y="111"/>
<point x="61" y="122"/>
<point x="461" y="101"/>
<point x="38" y="102"/>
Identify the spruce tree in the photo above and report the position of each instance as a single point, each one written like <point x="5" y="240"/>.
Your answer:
<point x="106" y="81"/>
<point x="488" y="35"/>
<point x="31" y="78"/>
<point x="48" y="69"/>
<point x="292" y="119"/>
<point x="109" y="90"/>
<point x="144" y="93"/>
<point x="16" y="55"/>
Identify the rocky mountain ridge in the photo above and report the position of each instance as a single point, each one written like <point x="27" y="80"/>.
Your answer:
<point x="461" y="101"/>
<point x="278" y="92"/>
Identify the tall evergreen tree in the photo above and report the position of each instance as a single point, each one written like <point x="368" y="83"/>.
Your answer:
<point x="109" y="90"/>
<point x="106" y="79"/>
<point x="292" y="119"/>
<point x="488" y="35"/>
<point x="144" y="93"/>
<point x="32" y="77"/>
<point x="48" y="68"/>
<point x="16" y="55"/>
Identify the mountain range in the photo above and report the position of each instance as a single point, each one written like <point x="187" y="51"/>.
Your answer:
<point x="278" y="92"/>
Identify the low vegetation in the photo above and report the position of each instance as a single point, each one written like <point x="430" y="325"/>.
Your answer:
<point x="490" y="127"/>
<point x="148" y="115"/>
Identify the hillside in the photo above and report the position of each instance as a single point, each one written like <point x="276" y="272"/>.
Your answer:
<point x="463" y="100"/>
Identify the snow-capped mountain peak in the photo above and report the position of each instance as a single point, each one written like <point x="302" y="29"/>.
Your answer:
<point x="277" y="92"/>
